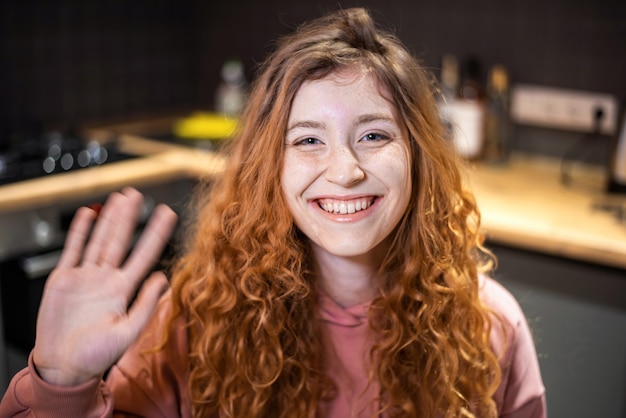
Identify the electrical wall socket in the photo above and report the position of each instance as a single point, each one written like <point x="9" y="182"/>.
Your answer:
<point x="563" y="108"/>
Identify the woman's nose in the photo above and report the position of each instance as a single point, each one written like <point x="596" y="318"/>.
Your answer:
<point x="343" y="167"/>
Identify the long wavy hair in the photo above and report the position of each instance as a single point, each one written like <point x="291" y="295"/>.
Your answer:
<point x="245" y="285"/>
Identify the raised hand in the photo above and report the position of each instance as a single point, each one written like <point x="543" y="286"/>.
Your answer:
<point x="84" y="322"/>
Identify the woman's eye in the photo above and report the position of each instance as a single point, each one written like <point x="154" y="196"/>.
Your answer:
<point x="373" y="136"/>
<point x="308" y="141"/>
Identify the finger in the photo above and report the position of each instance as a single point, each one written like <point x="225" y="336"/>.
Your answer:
<point x="76" y="237"/>
<point x="151" y="243"/>
<point x="103" y="242"/>
<point x="119" y="239"/>
<point x="103" y="223"/>
<point x="144" y="305"/>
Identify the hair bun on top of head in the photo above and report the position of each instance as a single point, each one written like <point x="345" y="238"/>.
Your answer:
<point x="354" y="26"/>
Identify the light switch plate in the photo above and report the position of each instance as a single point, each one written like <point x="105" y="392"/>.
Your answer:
<point x="563" y="108"/>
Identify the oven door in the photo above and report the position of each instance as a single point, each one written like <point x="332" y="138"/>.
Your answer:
<point x="23" y="279"/>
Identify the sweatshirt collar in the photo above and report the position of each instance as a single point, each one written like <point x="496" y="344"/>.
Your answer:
<point x="330" y="311"/>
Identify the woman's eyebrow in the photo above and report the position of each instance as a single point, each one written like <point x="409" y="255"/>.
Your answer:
<point x="362" y="119"/>
<point x="311" y="124"/>
<point x="375" y="117"/>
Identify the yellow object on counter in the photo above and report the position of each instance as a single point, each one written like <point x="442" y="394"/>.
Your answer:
<point x="205" y="125"/>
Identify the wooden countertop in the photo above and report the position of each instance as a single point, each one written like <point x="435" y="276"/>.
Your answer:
<point x="523" y="203"/>
<point x="159" y="162"/>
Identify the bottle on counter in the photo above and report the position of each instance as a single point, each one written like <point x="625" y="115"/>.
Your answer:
<point x="463" y="110"/>
<point x="232" y="93"/>
<point x="448" y="87"/>
<point x="498" y="126"/>
<point x="449" y="78"/>
<point x="471" y="87"/>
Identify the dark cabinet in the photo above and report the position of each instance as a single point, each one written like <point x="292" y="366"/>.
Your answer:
<point x="577" y="312"/>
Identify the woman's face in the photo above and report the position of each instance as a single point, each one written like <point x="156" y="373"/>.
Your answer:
<point x="346" y="175"/>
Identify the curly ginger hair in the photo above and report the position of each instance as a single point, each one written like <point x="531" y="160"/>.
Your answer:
<point x="245" y="284"/>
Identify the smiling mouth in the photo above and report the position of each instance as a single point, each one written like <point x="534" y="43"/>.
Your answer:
<point x="345" y="206"/>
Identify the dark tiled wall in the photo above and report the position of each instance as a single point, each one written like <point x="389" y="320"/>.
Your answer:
<point x="565" y="43"/>
<point x="70" y="60"/>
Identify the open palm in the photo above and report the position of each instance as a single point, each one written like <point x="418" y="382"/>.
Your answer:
<point x="85" y="322"/>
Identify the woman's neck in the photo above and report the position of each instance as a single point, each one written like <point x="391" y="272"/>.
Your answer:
<point x="348" y="281"/>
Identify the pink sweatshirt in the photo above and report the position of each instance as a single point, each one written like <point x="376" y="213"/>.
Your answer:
<point x="153" y="385"/>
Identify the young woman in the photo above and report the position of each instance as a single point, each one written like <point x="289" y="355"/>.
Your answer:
<point x="336" y="269"/>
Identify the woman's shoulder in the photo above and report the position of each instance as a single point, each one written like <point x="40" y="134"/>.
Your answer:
<point x="521" y="391"/>
<point x="509" y="325"/>
<point x="500" y="300"/>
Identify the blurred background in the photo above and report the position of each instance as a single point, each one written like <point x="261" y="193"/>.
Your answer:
<point x="70" y="63"/>
<point x="75" y="61"/>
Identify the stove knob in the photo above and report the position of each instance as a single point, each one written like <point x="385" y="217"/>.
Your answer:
<point x="49" y="164"/>
<point x="42" y="232"/>
<point x="67" y="161"/>
<point x="83" y="158"/>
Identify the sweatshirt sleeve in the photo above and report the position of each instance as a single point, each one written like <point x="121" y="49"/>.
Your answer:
<point x="521" y="393"/>
<point x="145" y="382"/>
<point x="28" y="395"/>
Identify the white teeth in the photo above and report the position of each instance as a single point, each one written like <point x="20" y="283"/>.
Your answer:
<point x="345" y="206"/>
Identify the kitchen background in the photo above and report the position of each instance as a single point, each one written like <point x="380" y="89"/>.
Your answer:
<point x="71" y="62"/>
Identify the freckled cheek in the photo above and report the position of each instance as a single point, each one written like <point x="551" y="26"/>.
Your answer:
<point x="298" y="174"/>
<point x="294" y="179"/>
<point x="393" y="168"/>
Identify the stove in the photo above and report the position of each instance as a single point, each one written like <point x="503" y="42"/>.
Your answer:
<point x="31" y="238"/>
<point x="52" y="153"/>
